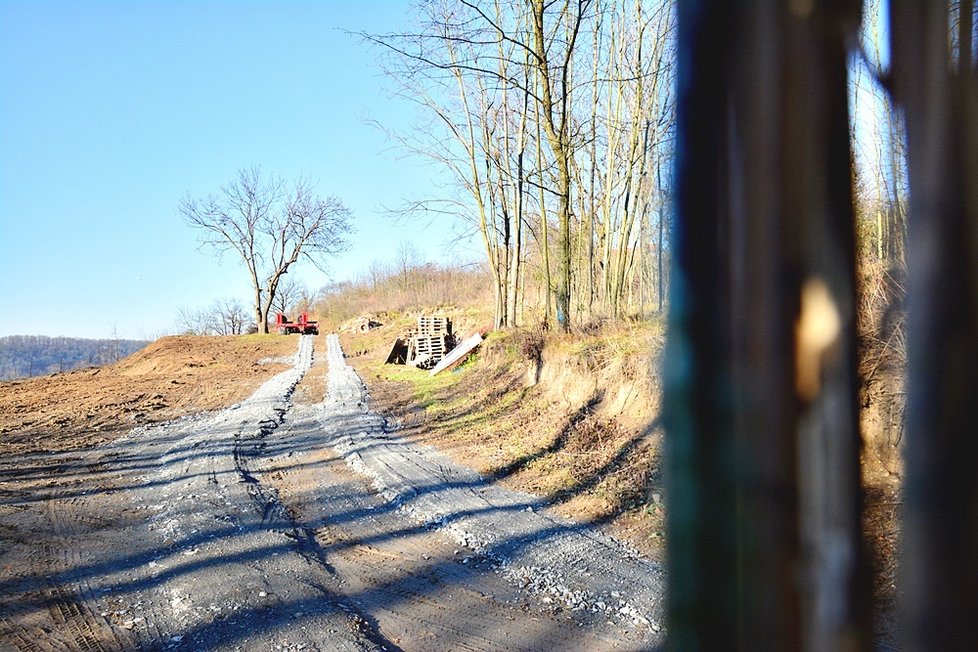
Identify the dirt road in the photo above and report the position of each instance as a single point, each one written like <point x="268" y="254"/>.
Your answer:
<point x="277" y="525"/>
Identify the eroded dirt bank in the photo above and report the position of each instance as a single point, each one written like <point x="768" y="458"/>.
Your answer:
<point x="248" y="529"/>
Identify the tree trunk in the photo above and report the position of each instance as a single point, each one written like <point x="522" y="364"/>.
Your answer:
<point x="660" y="278"/>
<point x="556" y="116"/>
<point x="939" y="565"/>
<point x="761" y="410"/>
<point x="544" y="228"/>
<point x="563" y="243"/>
<point x="261" y="323"/>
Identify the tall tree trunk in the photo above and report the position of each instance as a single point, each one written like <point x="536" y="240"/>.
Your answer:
<point x="555" y="108"/>
<point x="612" y="118"/>
<point x="544" y="228"/>
<point x="939" y="565"/>
<point x="563" y="242"/>
<point x="761" y="409"/>
<point x="593" y="175"/>
<point x="659" y="276"/>
<point x="261" y="323"/>
<point x="467" y="138"/>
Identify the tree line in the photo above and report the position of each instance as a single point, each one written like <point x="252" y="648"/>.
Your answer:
<point x="36" y="355"/>
<point x="554" y="120"/>
<point x="556" y="123"/>
<point x="229" y="316"/>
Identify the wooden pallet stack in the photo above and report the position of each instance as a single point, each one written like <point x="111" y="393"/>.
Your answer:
<point x="426" y="346"/>
<point x="429" y="344"/>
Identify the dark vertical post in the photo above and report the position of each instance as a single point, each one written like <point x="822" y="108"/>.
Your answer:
<point x="761" y="411"/>
<point x="700" y="445"/>
<point x="939" y="563"/>
<point x="818" y="200"/>
<point x="764" y="297"/>
<point x="966" y="25"/>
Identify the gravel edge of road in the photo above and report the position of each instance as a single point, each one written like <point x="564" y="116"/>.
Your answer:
<point x="542" y="553"/>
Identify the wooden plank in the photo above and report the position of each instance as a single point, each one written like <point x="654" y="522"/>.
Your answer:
<point x="399" y="351"/>
<point x="457" y="355"/>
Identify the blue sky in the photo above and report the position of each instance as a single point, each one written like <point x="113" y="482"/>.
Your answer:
<point x="110" y="112"/>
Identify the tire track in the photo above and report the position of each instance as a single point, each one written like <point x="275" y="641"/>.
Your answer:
<point x="235" y="572"/>
<point x="155" y="542"/>
<point x="74" y="614"/>
<point x="422" y="589"/>
<point x="556" y="560"/>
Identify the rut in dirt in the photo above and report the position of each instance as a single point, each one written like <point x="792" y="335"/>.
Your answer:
<point x="167" y="544"/>
<point x="570" y="566"/>
<point x="270" y="525"/>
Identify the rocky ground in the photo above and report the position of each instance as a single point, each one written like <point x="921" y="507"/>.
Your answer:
<point x="293" y="519"/>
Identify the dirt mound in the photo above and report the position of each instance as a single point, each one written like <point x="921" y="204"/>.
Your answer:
<point x="170" y="377"/>
<point x="169" y="355"/>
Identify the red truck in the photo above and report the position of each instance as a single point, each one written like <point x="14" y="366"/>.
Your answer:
<point x="304" y="325"/>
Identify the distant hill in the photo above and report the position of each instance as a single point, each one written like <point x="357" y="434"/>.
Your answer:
<point x="37" y="355"/>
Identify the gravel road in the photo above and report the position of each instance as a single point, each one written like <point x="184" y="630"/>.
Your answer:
<point x="276" y="526"/>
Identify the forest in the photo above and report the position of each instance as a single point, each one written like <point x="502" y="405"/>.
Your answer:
<point x="556" y="125"/>
<point x="36" y="355"/>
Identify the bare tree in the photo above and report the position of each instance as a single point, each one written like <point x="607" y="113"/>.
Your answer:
<point x="288" y="294"/>
<point x="223" y="317"/>
<point x="270" y="225"/>
<point x="228" y="317"/>
<point x="553" y="46"/>
<point x="511" y="94"/>
<point x="192" y="321"/>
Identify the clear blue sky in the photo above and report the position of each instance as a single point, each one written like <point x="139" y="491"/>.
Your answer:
<point x="110" y="112"/>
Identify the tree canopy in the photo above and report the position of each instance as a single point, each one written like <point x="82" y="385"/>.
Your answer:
<point x="270" y="224"/>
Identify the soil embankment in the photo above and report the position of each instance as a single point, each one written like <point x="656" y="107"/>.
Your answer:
<point x="572" y="419"/>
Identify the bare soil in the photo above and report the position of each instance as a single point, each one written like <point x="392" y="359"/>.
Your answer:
<point x="63" y="507"/>
<point x="135" y="514"/>
<point x="599" y="466"/>
<point x="172" y="377"/>
<point x="547" y="431"/>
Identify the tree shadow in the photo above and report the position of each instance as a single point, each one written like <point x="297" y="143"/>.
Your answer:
<point x="270" y="530"/>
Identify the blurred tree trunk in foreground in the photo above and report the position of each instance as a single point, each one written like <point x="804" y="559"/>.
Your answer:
<point x="939" y="565"/>
<point x="761" y="393"/>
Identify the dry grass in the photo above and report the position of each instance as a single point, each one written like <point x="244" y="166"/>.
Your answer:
<point x="590" y="462"/>
<point x="882" y="368"/>
<point x="387" y="291"/>
<point x="881" y="320"/>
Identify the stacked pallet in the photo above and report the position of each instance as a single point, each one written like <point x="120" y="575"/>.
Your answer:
<point x="434" y="326"/>
<point x="429" y="344"/>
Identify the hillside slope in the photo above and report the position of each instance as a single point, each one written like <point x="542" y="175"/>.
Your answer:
<point x="574" y="419"/>
<point x="570" y="418"/>
<point x="293" y="518"/>
<point x="167" y="379"/>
